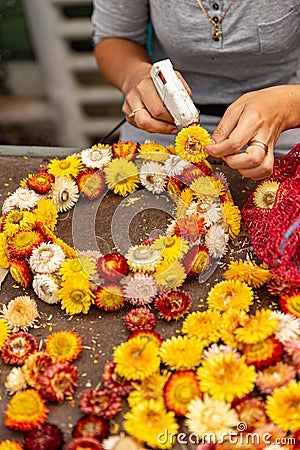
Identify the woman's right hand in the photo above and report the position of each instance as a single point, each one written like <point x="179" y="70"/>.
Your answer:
<point x="144" y="108"/>
<point x="127" y="65"/>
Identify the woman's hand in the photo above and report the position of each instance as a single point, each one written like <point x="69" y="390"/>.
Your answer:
<point x="254" y="119"/>
<point x="144" y="108"/>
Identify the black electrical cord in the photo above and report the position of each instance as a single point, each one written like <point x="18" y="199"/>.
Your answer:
<point x="106" y="136"/>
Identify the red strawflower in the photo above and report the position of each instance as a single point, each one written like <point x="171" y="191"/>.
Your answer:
<point x="180" y="389"/>
<point x="47" y="436"/>
<point x="41" y="182"/>
<point x="127" y="149"/>
<point x="112" y="266"/>
<point x="196" y="260"/>
<point x="296" y="436"/>
<point x="204" y="166"/>
<point x="45" y="232"/>
<point x="35" y="365"/>
<point x="101" y="403"/>
<point x="174" y="187"/>
<point x="91" y="183"/>
<point x="109" y="297"/>
<point x="91" y="426"/>
<point x="263" y="353"/>
<point x="58" y="380"/>
<point x="190" y="227"/>
<point x="150" y="335"/>
<point x="280" y="287"/>
<point x="173" y="304"/>
<point x="18" y="346"/>
<point x="113" y="382"/>
<point x="290" y="304"/>
<point x="20" y="272"/>
<point x="23" y="242"/>
<point x="140" y="319"/>
<point x="190" y="173"/>
<point x="82" y="443"/>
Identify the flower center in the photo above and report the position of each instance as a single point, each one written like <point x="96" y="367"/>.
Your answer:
<point x="77" y="296"/>
<point x="192" y="146"/>
<point x="64" y="196"/>
<point x="143" y="253"/>
<point x="95" y="155"/>
<point x="16" y="217"/>
<point x="63" y="165"/>
<point x="46" y="255"/>
<point x="269" y="198"/>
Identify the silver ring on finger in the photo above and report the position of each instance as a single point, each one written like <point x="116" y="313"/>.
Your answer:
<point x="259" y="143"/>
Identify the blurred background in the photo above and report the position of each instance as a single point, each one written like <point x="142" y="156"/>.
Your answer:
<point x="51" y="90"/>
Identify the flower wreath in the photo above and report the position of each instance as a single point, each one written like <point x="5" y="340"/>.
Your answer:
<point x="205" y="218"/>
<point x="226" y="373"/>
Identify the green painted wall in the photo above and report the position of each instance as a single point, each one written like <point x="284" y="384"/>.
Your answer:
<point x="14" y="36"/>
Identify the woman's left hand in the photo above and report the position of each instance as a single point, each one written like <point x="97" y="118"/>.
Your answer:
<point x="254" y="123"/>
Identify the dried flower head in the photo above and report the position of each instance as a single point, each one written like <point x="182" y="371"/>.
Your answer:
<point x="113" y="382"/>
<point x="64" y="345"/>
<point x="20" y="313"/>
<point x="140" y="289"/>
<point x="97" y="156"/>
<point x="47" y="436"/>
<point x="18" y="346"/>
<point x="26" y="411"/>
<point x="101" y="403"/>
<point x="173" y="304"/>
<point x="91" y="426"/>
<point x="190" y="143"/>
<point x="15" y="381"/>
<point x="58" y="380"/>
<point x="265" y="194"/>
<point x="140" y="319"/>
<point x="46" y="258"/>
<point x="64" y="193"/>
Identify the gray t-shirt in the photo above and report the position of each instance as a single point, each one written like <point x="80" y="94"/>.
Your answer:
<point x="260" y="45"/>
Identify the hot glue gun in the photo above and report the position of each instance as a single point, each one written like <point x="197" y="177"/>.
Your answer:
<point x="173" y="94"/>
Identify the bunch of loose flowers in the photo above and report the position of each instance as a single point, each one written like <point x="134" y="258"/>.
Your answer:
<point x="204" y="218"/>
<point x="229" y="376"/>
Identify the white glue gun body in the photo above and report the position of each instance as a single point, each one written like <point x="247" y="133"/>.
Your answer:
<point x="173" y="94"/>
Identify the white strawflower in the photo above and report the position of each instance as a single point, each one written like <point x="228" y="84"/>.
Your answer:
<point x="288" y="327"/>
<point x="15" y="381"/>
<point x="46" y="258"/>
<point x="210" y="211"/>
<point x="45" y="288"/>
<point x="174" y="165"/>
<point x="65" y="193"/>
<point x="153" y="177"/>
<point x="209" y="417"/>
<point x="170" y="230"/>
<point x="215" y="349"/>
<point x="8" y="205"/>
<point x="96" y="158"/>
<point x="216" y="240"/>
<point x="24" y="199"/>
<point x="140" y="289"/>
<point x="20" y="313"/>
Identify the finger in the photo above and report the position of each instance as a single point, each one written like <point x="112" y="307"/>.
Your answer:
<point x="151" y="99"/>
<point x="262" y="171"/>
<point x="186" y="86"/>
<point x="232" y="135"/>
<point x="142" y="119"/>
<point x="252" y="157"/>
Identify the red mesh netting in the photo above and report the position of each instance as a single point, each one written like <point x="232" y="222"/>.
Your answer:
<point x="275" y="232"/>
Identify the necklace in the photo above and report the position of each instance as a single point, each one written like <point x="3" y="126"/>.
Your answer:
<point x="214" y="21"/>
